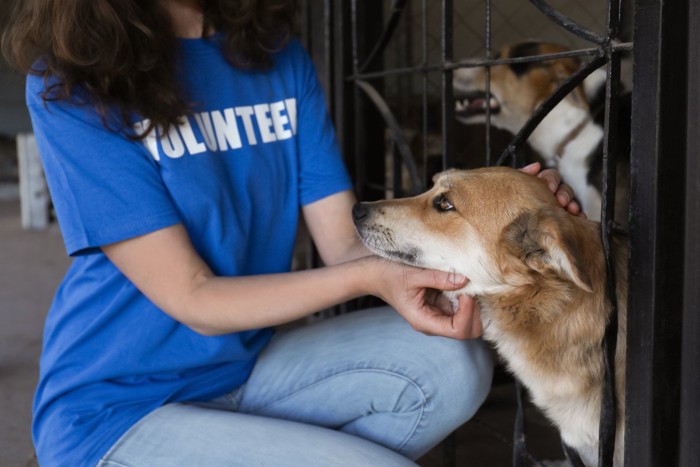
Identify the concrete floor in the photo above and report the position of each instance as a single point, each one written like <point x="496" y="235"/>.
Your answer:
<point x="486" y="440"/>
<point x="33" y="263"/>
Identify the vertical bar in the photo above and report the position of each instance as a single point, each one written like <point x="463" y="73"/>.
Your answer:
<point x="607" y="427"/>
<point x="316" y="35"/>
<point x="328" y="49"/>
<point x="448" y="105"/>
<point x="450" y="450"/>
<point x="424" y="82"/>
<point x="404" y="45"/>
<point x="448" y="119"/>
<point x="369" y="137"/>
<point x="359" y="161"/>
<point x="519" y="444"/>
<point x="342" y="102"/>
<point x="488" y="83"/>
<point x="656" y="233"/>
<point x="396" y="171"/>
<point x="608" y="403"/>
<point x="613" y="20"/>
<point x="690" y="387"/>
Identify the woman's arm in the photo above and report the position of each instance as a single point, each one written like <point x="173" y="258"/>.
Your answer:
<point x="165" y="267"/>
<point x="330" y="224"/>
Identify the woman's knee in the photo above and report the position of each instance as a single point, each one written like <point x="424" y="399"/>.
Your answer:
<point x="461" y="379"/>
<point x="441" y="364"/>
<point x="442" y="382"/>
<point x="455" y="379"/>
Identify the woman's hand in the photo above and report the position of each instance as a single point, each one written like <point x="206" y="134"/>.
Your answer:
<point x="563" y="192"/>
<point x="417" y="295"/>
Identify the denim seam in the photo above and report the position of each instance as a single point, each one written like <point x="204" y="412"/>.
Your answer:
<point x="358" y="370"/>
<point x="104" y="462"/>
<point x="122" y="439"/>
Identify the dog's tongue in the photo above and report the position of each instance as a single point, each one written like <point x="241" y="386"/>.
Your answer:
<point x="477" y="104"/>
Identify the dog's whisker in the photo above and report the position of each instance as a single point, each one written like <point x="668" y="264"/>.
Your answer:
<point x="492" y="276"/>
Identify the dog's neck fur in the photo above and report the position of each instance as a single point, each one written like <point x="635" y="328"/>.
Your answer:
<point x="557" y="127"/>
<point x="565" y="139"/>
<point x="538" y="360"/>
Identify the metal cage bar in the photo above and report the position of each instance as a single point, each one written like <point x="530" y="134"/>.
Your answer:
<point x="656" y="234"/>
<point x="690" y="379"/>
<point x="448" y="111"/>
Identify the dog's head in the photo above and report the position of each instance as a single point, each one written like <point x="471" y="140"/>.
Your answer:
<point x="518" y="88"/>
<point x="498" y="226"/>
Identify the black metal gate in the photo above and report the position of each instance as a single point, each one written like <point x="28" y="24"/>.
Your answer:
<point x="374" y="98"/>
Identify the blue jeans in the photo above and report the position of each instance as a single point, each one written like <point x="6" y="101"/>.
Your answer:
<point x="362" y="389"/>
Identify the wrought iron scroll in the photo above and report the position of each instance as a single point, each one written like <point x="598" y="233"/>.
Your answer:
<point x="376" y="98"/>
<point x="396" y="133"/>
<point x="567" y="23"/>
<point x="397" y="10"/>
<point x="543" y="109"/>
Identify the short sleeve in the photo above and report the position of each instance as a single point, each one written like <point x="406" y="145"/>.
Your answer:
<point x="105" y="186"/>
<point x="322" y="170"/>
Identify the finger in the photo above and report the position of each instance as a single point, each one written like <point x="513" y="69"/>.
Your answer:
<point x="463" y="319"/>
<point x="435" y="323"/>
<point x="432" y="296"/>
<point x="552" y="177"/>
<point x="443" y="280"/>
<point x="564" y="194"/>
<point x="431" y="321"/>
<point x="574" y="208"/>
<point x="477" y="329"/>
<point x="470" y="307"/>
<point x="532" y="169"/>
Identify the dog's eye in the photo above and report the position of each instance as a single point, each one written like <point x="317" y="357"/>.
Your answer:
<point x="442" y="204"/>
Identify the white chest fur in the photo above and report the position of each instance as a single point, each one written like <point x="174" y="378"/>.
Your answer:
<point x="575" y="412"/>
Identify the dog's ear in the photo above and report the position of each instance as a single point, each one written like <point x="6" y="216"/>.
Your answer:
<point x="546" y="244"/>
<point x="439" y="175"/>
<point x="563" y="69"/>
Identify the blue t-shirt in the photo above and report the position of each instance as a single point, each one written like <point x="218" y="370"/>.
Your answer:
<point x="256" y="147"/>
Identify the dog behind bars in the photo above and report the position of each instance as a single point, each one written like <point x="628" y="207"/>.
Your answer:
<point x="538" y="274"/>
<point x="570" y="138"/>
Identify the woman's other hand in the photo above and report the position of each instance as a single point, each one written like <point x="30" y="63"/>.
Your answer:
<point x="563" y="192"/>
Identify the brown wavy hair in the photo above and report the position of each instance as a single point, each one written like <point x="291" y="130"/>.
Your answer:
<point x="123" y="52"/>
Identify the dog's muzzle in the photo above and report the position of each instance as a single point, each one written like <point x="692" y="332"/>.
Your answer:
<point x="359" y="214"/>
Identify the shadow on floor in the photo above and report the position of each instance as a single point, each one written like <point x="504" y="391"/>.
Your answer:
<point x="487" y="439"/>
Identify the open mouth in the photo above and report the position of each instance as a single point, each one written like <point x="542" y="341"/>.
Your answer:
<point x="475" y="103"/>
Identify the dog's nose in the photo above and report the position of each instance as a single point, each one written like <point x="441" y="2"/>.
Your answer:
<point x="359" y="212"/>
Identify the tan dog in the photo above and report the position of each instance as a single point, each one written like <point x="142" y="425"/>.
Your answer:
<point x="538" y="274"/>
<point x="570" y="138"/>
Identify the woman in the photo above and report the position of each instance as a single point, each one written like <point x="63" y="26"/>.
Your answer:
<point x="179" y="140"/>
